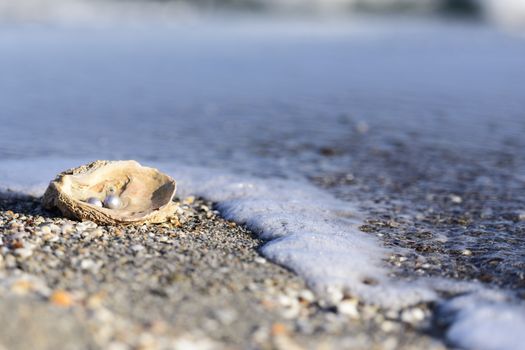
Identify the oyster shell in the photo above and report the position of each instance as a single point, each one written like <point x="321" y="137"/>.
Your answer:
<point x="146" y="193"/>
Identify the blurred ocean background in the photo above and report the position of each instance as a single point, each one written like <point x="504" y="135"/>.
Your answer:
<point x="301" y="119"/>
<point x="506" y="12"/>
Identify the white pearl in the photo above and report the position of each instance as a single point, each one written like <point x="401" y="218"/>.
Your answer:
<point x="112" y="202"/>
<point x="94" y="201"/>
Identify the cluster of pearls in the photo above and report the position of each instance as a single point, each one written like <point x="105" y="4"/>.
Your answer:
<point x="111" y="202"/>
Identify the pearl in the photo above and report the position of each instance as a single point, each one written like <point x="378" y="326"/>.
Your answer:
<point x="94" y="201"/>
<point x="112" y="202"/>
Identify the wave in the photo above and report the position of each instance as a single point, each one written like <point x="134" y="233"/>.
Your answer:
<point x="510" y="13"/>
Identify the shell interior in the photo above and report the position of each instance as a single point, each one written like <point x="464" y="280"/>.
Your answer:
<point x="142" y="190"/>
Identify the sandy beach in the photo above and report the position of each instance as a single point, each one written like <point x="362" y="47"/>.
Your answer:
<point x="342" y="182"/>
<point x="196" y="282"/>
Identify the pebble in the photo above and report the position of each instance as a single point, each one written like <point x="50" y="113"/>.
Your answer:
<point x="388" y="326"/>
<point x="67" y="228"/>
<point x="61" y="298"/>
<point x="86" y="225"/>
<point x="348" y="307"/>
<point x="10" y="261"/>
<point x="260" y="260"/>
<point x="333" y="296"/>
<point x="23" y="253"/>
<point x="50" y="237"/>
<point x="456" y="199"/>
<point x="307" y="295"/>
<point x="137" y="248"/>
<point x="189" y="200"/>
<point x="466" y="252"/>
<point x="87" y="264"/>
<point x="226" y="316"/>
<point x="45" y="229"/>
<point x="413" y="315"/>
<point x="55" y="228"/>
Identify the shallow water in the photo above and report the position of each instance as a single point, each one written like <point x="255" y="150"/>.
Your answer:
<point x="416" y="127"/>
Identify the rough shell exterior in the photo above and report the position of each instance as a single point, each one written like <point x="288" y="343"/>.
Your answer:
<point x="146" y="193"/>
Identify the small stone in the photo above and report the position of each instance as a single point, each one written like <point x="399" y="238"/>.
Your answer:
<point x="284" y="300"/>
<point x="137" y="248"/>
<point x="455" y="199"/>
<point x="260" y="260"/>
<point x="96" y="233"/>
<point x="334" y="295"/>
<point x="50" y="237"/>
<point x="388" y="326"/>
<point x="55" y="228"/>
<point x="348" y="307"/>
<point x="370" y="311"/>
<point x="28" y="284"/>
<point x="10" y="261"/>
<point x="67" y="229"/>
<point x="291" y="311"/>
<point x="189" y="200"/>
<point x="278" y="329"/>
<point x="392" y="314"/>
<point x="413" y="315"/>
<point x="23" y="253"/>
<point x="96" y="300"/>
<point x="16" y="226"/>
<point x="87" y="264"/>
<point x="226" y="316"/>
<point x="22" y="286"/>
<point x="307" y="295"/>
<point x="61" y="298"/>
<point x="45" y="229"/>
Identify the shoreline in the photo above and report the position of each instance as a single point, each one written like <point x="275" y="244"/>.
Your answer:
<point x="198" y="281"/>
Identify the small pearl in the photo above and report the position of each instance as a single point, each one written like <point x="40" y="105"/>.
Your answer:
<point x="94" y="201"/>
<point x="112" y="202"/>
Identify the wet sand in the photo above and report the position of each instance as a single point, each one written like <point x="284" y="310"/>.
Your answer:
<point x="447" y="211"/>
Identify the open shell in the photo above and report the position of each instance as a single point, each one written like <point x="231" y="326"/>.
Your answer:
<point x="146" y="193"/>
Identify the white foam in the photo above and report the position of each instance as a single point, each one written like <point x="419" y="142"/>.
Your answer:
<point x="309" y="231"/>
<point x="486" y="321"/>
